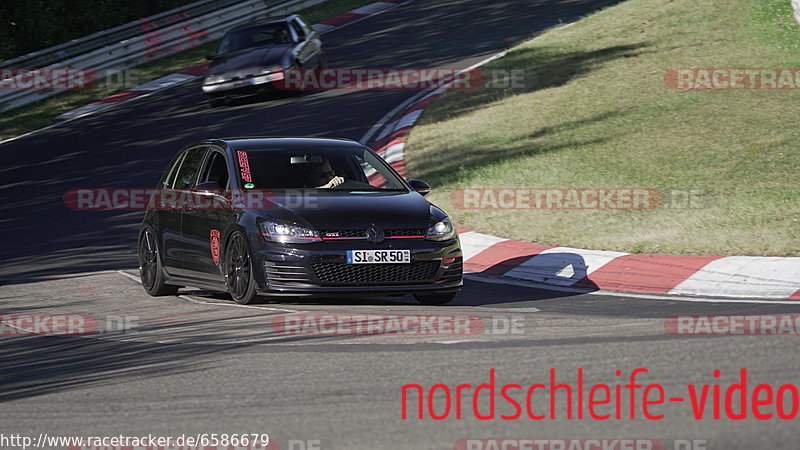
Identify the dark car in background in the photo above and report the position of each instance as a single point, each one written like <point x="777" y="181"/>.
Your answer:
<point x="252" y="57"/>
<point x="296" y="216"/>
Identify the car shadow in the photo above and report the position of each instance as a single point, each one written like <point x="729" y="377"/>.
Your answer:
<point x="271" y="96"/>
<point x="523" y="279"/>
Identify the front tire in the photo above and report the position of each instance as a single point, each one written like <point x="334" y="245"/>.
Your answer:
<point x="437" y="299"/>
<point x="301" y="88"/>
<point x="150" y="270"/>
<point x="239" y="270"/>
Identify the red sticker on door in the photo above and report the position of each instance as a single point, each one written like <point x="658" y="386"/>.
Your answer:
<point x="215" y="246"/>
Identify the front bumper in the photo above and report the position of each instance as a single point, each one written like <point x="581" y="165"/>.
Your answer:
<point x="321" y="269"/>
<point x="243" y="87"/>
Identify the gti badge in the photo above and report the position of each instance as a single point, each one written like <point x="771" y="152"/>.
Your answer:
<point x="375" y="234"/>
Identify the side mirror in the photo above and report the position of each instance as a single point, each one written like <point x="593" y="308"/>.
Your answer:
<point x="211" y="57"/>
<point x="208" y="186"/>
<point x="421" y="187"/>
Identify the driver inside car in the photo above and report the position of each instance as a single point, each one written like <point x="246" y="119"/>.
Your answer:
<point x="281" y="37"/>
<point x="323" y="176"/>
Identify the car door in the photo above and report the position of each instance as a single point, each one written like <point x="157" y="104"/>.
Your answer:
<point x="178" y="198"/>
<point x="203" y="223"/>
<point x="314" y="43"/>
<point x="168" y="217"/>
<point x="305" y="51"/>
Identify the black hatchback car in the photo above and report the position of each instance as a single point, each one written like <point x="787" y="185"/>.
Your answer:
<point x="295" y="216"/>
<point x="252" y="58"/>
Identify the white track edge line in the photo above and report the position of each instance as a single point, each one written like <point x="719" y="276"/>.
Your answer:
<point x="386" y="119"/>
<point x="532" y="284"/>
<point x="366" y="16"/>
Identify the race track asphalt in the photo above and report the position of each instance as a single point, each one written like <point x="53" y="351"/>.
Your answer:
<point x="200" y="364"/>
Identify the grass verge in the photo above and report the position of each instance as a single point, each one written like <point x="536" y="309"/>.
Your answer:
<point x="595" y="112"/>
<point x="41" y="114"/>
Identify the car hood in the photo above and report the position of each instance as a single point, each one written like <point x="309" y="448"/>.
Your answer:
<point x="248" y="62"/>
<point x="354" y="210"/>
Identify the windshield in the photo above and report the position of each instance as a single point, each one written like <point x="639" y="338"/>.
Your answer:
<point x="306" y="167"/>
<point x="258" y="36"/>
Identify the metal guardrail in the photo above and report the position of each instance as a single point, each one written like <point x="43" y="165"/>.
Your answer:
<point x="100" y="39"/>
<point x="159" y="42"/>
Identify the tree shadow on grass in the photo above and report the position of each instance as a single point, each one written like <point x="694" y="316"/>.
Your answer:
<point x="526" y="70"/>
<point x="549" y="67"/>
<point x="448" y="167"/>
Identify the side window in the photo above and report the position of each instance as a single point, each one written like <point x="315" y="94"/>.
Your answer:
<point x="215" y="170"/>
<point x="187" y="174"/>
<point x="297" y="30"/>
<point x="172" y="171"/>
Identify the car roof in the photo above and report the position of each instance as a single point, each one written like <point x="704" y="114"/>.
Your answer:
<point x="269" y="141"/>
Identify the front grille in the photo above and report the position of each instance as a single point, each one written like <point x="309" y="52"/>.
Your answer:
<point x="286" y="273"/>
<point x="362" y="233"/>
<point x="339" y="274"/>
<point x="406" y="232"/>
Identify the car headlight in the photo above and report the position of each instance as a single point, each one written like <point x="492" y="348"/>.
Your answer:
<point x="441" y="231"/>
<point x="214" y="79"/>
<point x="288" y="233"/>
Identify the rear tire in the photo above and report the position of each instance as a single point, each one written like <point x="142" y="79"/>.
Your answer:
<point x="239" y="270"/>
<point x="437" y="299"/>
<point x="150" y="270"/>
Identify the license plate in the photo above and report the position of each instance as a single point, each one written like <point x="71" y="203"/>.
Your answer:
<point x="378" y="256"/>
<point x="268" y="78"/>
